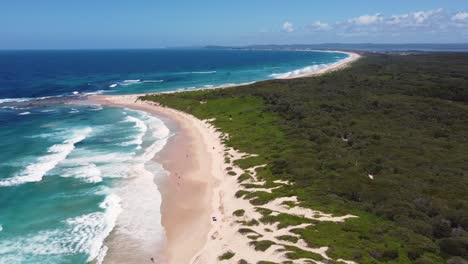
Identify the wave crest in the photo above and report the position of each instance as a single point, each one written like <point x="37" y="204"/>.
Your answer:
<point x="58" y="152"/>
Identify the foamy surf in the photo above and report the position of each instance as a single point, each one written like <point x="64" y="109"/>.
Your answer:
<point x="83" y="234"/>
<point x="139" y="229"/>
<point x="299" y="72"/>
<point x="141" y="127"/>
<point x="132" y="82"/>
<point x="13" y="100"/>
<point x="35" y="172"/>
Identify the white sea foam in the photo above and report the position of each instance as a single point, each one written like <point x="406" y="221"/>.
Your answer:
<point x="95" y="92"/>
<point x="57" y="153"/>
<point x="141" y="127"/>
<point x="48" y="111"/>
<point x="75" y="92"/>
<point x="102" y="255"/>
<point x="140" y="219"/>
<point x="25" y="99"/>
<point x="86" y="157"/>
<point x="153" y="81"/>
<point x="14" y="100"/>
<point x="96" y="226"/>
<point x="130" y="82"/>
<point x="298" y="72"/>
<point x="25" y="113"/>
<point x="9" y="107"/>
<point x="73" y="111"/>
<point x="80" y="235"/>
<point x="1" y="228"/>
<point x="89" y="173"/>
<point x="203" y="72"/>
<point x="96" y="107"/>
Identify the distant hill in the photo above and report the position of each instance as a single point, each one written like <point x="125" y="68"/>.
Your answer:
<point x="361" y="46"/>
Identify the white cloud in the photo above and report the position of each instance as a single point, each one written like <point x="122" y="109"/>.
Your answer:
<point x="427" y="18"/>
<point x="412" y="26"/>
<point x="366" y="19"/>
<point x="423" y="16"/>
<point x="460" y="17"/>
<point x="320" y="26"/>
<point x="288" y="27"/>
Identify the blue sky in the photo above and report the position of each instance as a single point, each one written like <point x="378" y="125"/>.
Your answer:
<point x="26" y="24"/>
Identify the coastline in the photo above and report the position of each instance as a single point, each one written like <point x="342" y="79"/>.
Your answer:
<point x="353" y="56"/>
<point x="339" y="65"/>
<point x="193" y="157"/>
<point x="198" y="186"/>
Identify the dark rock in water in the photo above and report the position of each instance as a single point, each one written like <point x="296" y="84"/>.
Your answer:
<point x="43" y="101"/>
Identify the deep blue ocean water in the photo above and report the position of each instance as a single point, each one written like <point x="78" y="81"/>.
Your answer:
<point x="72" y="174"/>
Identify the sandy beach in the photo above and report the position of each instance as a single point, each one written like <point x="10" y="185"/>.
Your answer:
<point x="192" y="157"/>
<point x="199" y="187"/>
<point x="330" y="68"/>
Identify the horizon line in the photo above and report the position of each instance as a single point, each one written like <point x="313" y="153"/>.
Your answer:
<point x="232" y="46"/>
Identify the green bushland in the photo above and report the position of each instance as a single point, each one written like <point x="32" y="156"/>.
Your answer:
<point x="402" y="119"/>
<point x="227" y="255"/>
<point x="244" y="177"/>
<point x="297" y="253"/>
<point x="285" y="220"/>
<point x="263" y="211"/>
<point x="291" y="239"/>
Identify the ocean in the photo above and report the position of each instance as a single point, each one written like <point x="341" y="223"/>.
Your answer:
<point x="73" y="176"/>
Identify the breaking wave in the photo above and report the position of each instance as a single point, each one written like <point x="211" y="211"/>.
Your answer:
<point x="57" y="153"/>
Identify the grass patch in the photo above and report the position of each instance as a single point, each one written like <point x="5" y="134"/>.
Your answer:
<point x="291" y="239"/>
<point x="243" y="177"/>
<point x="239" y="212"/>
<point x="241" y="193"/>
<point x="252" y="222"/>
<point x="227" y="255"/>
<point x="297" y="253"/>
<point x="262" y="245"/>
<point x="244" y="231"/>
<point x="285" y="220"/>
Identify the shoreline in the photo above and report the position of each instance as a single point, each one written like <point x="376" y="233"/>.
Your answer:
<point x="339" y="65"/>
<point x="186" y="207"/>
<point x="196" y="188"/>
<point x="58" y="99"/>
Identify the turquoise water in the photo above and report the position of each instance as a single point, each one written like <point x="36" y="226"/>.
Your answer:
<point x="60" y="168"/>
<point x="72" y="174"/>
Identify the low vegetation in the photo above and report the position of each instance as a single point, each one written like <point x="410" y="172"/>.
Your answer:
<point x="227" y="255"/>
<point x="385" y="140"/>
<point x="239" y="212"/>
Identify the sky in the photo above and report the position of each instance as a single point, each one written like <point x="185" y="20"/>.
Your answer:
<point x="76" y="24"/>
